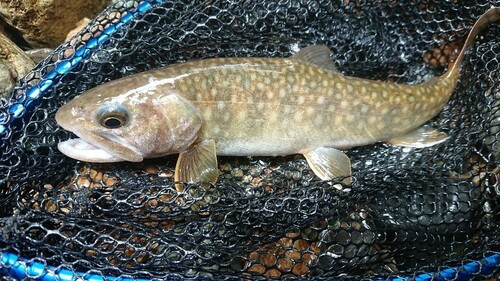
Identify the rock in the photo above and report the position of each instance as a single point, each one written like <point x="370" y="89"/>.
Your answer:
<point x="7" y="82"/>
<point x="46" y="23"/>
<point x="14" y="64"/>
<point x="79" y="26"/>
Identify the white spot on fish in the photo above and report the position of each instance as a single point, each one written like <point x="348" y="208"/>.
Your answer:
<point x="273" y="116"/>
<point x="282" y="93"/>
<point x="261" y="106"/>
<point x="234" y="98"/>
<point x="270" y="94"/>
<point x="213" y="92"/>
<point x="321" y="100"/>
<point x="242" y="115"/>
<point x="261" y="86"/>
<point x="221" y="105"/>
<point x="350" y="118"/>
<point x="238" y="79"/>
<point x="301" y="100"/>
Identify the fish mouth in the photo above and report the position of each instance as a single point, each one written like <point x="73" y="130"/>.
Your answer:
<point x="99" y="149"/>
<point x="81" y="150"/>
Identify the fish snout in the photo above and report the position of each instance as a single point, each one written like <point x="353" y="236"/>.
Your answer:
<point x="68" y="115"/>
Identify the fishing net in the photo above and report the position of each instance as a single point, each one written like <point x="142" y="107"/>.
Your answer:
<point x="409" y="213"/>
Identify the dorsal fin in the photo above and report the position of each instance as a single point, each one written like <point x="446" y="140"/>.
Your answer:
<point x="316" y="54"/>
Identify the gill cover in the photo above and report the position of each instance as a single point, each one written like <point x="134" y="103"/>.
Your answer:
<point x="182" y="119"/>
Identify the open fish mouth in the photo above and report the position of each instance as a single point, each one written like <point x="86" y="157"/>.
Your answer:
<point x="81" y="150"/>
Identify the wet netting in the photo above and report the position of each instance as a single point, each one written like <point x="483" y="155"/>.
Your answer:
<point x="409" y="213"/>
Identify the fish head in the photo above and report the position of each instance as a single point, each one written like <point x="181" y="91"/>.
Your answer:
<point x="115" y="125"/>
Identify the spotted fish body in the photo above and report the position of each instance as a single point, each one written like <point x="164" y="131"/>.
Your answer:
<point x="266" y="106"/>
<point x="260" y="106"/>
<point x="253" y="107"/>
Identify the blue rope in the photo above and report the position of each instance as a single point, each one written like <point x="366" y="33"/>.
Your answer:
<point x="19" y="268"/>
<point x="15" y="267"/>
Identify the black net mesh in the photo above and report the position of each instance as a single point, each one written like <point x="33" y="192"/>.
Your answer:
<point x="409" y="212"/>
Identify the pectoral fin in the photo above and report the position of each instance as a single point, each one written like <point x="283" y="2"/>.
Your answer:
<point x="424" y="136"/>
<point x="197" y="164"/>
<point x="329" y="163"/>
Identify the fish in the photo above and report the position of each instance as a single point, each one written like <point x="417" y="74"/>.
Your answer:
<point x="253" y="106"/>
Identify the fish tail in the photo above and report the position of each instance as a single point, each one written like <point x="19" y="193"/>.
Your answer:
<point x="483" y="21"/>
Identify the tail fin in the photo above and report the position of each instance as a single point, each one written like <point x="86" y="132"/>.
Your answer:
<point x="490" y="16"/>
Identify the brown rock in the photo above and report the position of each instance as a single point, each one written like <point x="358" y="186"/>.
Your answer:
<point x="46" y="23"/>
<point x="273" y="273"/>
<point x="79" y="26"/>
<point x="257" y="269"/>
<point x="300" y="269"/>
<point x="285" y="264"/>
<point x="268" y="260"/>
<point x="13" y="65"/>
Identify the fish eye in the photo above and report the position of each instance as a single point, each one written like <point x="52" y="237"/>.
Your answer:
<point x="113" y="116"/>
<point x="112" y="122"/>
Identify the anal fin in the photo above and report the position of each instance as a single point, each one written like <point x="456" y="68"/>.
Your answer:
<point x="197" y="164"/>
<point x="424" y="136"/>
<point x="329" y="163"/>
